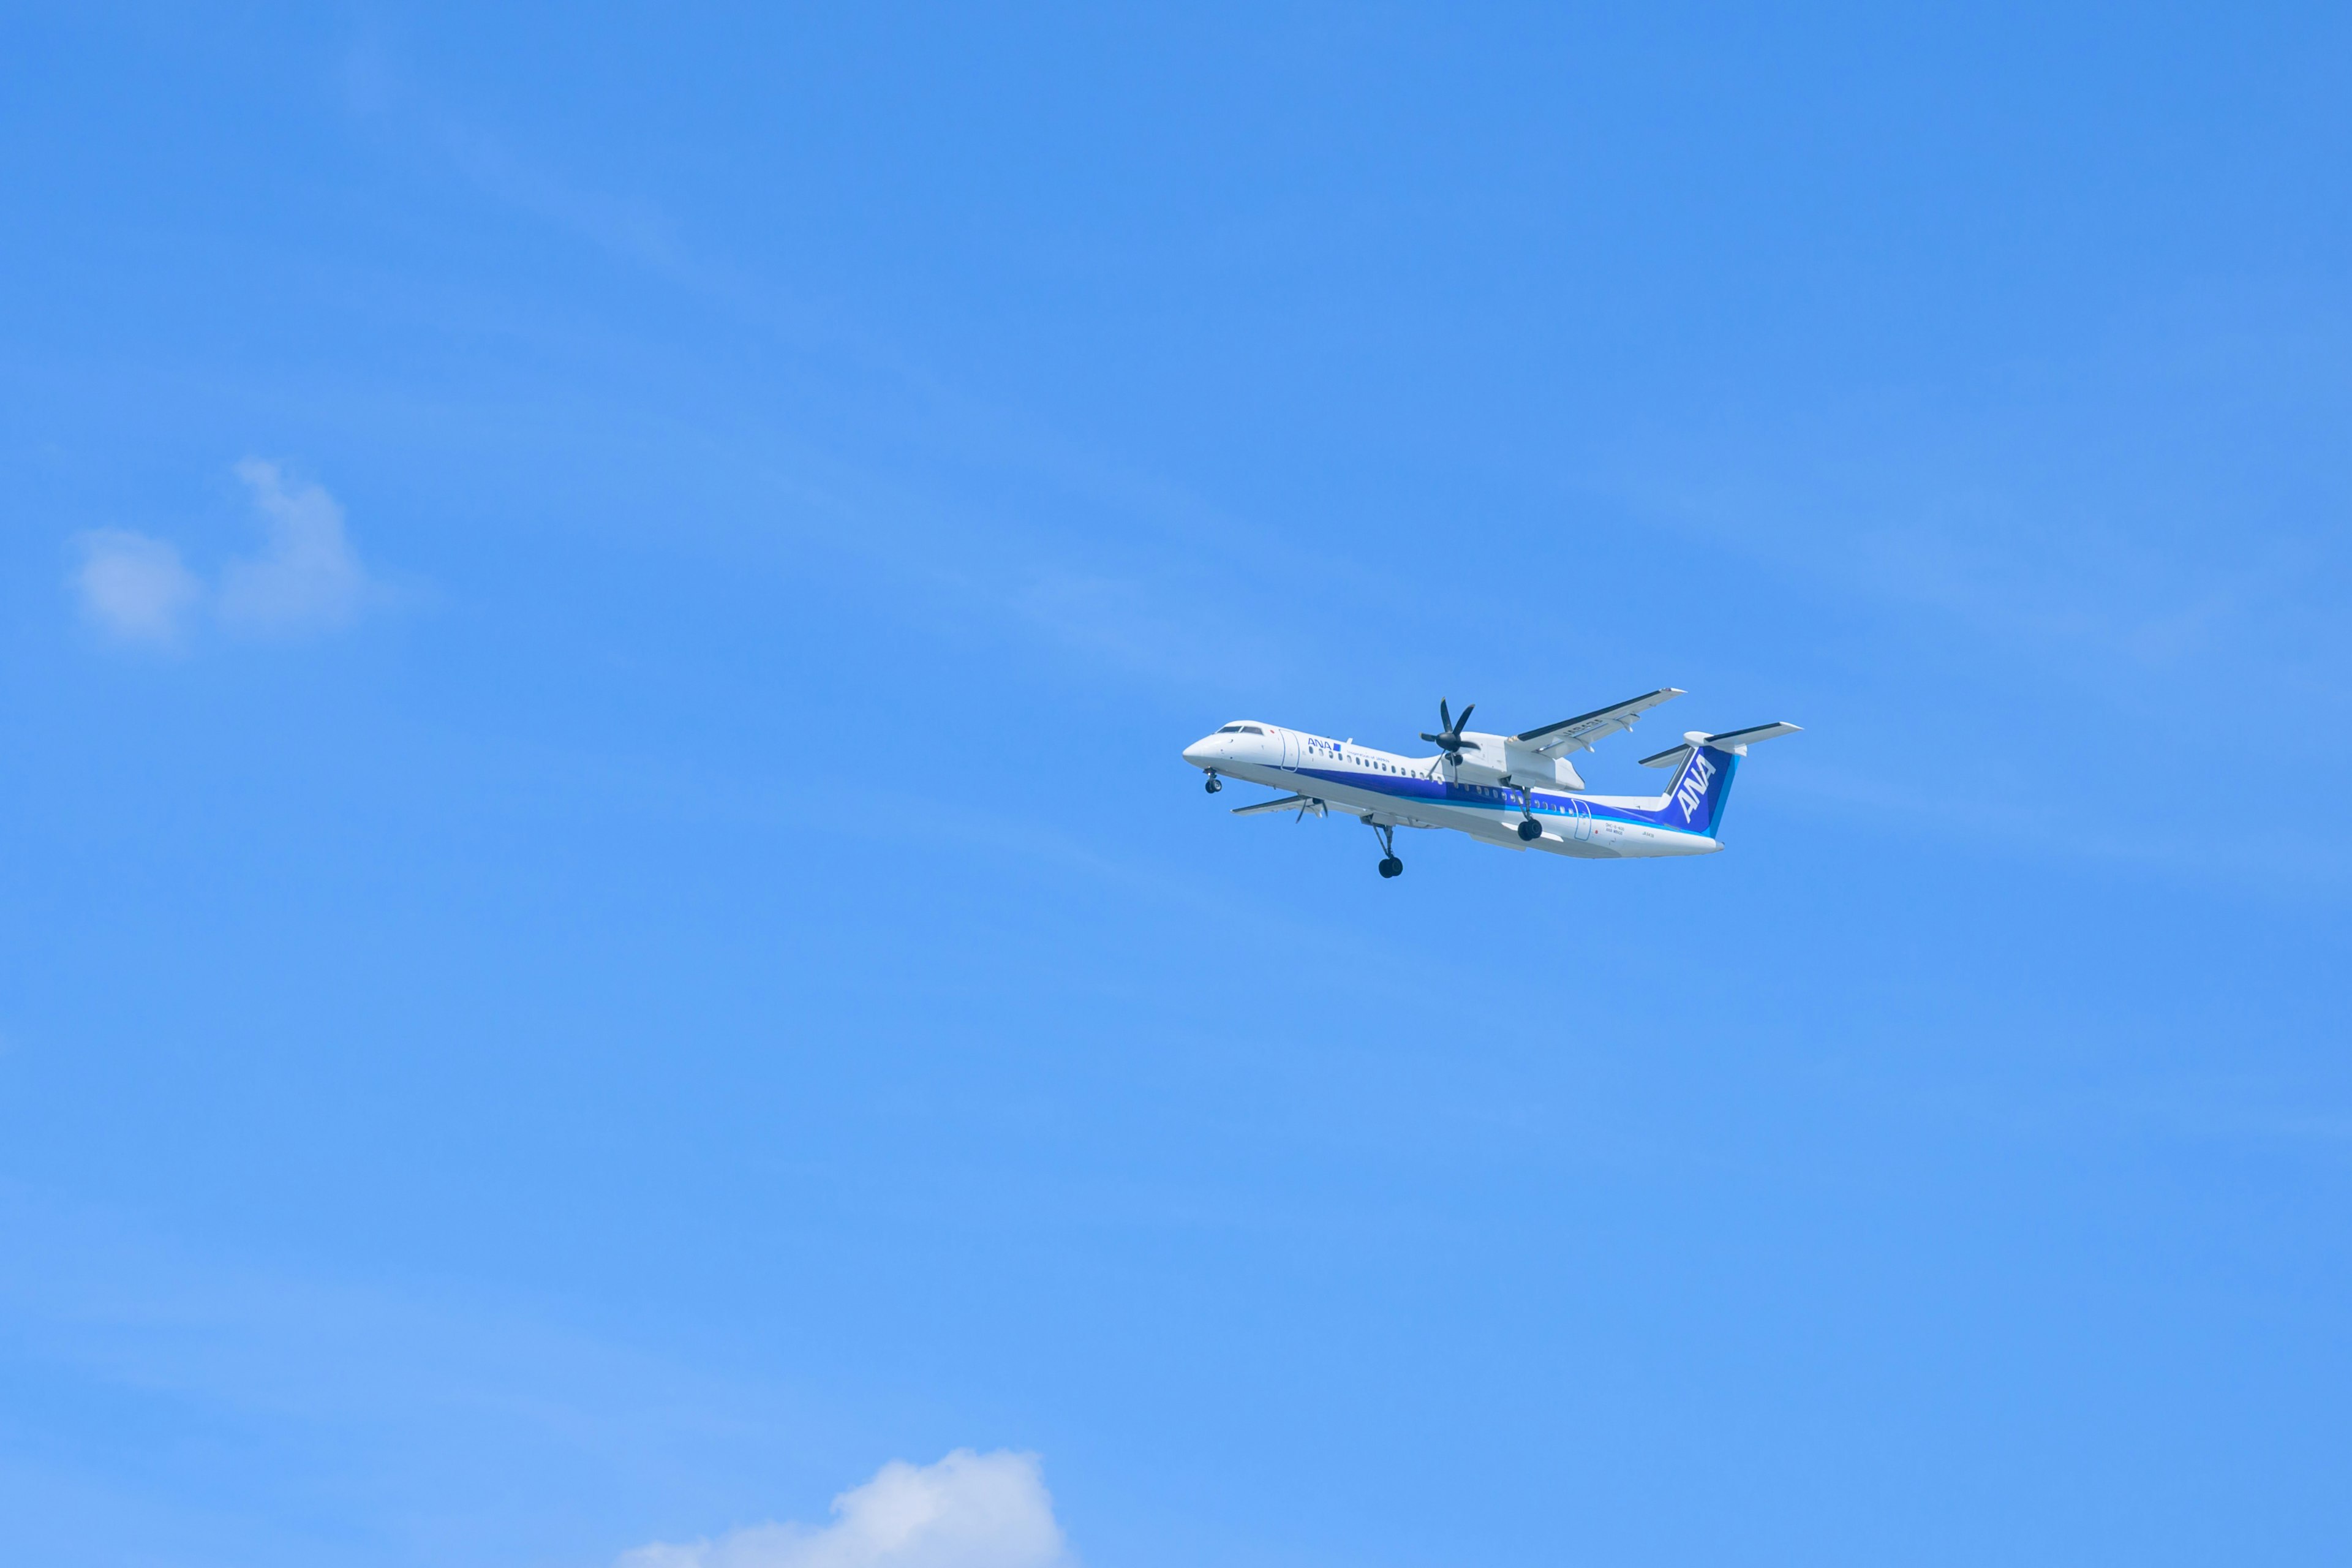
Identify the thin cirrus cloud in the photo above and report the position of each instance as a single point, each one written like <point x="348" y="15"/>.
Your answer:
<point x="968" y="1510"/>
<point x="306" y="578"/>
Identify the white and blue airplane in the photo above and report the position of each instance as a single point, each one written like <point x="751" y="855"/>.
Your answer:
<point x="1521" y="792"/>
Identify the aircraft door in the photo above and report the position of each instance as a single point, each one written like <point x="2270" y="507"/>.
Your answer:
<point x="1290" y="749"/>
<point x="1580" y="825"/>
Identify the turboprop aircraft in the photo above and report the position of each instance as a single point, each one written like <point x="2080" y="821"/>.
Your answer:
<point x="1521" y="792"/>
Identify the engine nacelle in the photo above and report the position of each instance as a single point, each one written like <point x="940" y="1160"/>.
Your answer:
<point x="1497" y="759"/>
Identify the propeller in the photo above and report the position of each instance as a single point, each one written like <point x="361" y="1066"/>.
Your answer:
<point x="1449" y="738"/>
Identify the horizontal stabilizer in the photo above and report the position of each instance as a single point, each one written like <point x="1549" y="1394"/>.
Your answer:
<point x="1727" y="741"/>
<point x="1732" y="740"/>
<point x="1298" y="802"/>
<point x="1599" y="724"/>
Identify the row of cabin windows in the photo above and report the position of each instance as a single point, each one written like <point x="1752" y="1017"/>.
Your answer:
<point x="1486" y="792"/>
<point x="1383" y="767"/>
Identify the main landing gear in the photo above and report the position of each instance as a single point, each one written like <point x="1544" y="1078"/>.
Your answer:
<point x="1390" y="864"/>
<point x="1529" y="828"/>
<point x="1215" y="783"/>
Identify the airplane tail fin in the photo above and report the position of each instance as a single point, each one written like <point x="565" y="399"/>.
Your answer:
<point x="1707" y="764"/>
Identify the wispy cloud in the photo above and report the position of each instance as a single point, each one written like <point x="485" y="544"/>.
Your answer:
<point x="968" y="1510"/>
<point x="135" y="587"/>
<point x="306" y="578"/>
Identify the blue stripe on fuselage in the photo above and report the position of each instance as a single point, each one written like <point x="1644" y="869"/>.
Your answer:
<point x="1486" y="798"/>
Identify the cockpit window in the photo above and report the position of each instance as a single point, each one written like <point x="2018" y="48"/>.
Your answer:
<point x="1252" y="729"/>
<point x="1231" y="730"/>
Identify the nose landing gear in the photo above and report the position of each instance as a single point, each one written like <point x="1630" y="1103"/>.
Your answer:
<point x="1390" y="864"/>
<point x="1215" y="783"/>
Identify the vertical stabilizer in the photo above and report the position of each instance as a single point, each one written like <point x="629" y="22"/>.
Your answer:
<point x="1707" y="763"/>
<point x="1695" y="802"/>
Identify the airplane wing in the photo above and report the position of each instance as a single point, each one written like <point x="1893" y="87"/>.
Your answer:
<point x="1301" y="803"/>
<point x="1601" y="722"/>
<point x="1729" y="741"/>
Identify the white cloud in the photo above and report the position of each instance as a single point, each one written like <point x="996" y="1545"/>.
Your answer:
<point x="308" y="578"/>
<point x="968" y="1510"/>
<point x="134" y="586"/>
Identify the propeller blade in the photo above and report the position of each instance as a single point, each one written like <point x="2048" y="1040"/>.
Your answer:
<point x="1449" y="739"/>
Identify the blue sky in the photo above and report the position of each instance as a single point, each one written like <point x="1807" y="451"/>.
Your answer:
<point x="606" y="941"/>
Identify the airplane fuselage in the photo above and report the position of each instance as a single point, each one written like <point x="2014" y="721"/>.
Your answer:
<point x="1389" y="790"/>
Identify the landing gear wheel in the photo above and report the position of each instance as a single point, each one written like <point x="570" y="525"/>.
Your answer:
<point x="1530" y="830"/>
<point x="1391" y="866"/>
<point x="1215" y="783"/>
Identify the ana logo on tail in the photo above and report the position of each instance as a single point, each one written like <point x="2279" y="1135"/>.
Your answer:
<point x="1691" y="791"/>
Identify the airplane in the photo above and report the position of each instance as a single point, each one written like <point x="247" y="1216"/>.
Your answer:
<point x="1518" y="792"/>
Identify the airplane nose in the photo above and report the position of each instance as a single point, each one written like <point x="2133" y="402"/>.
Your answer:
<point x="1198" y="754"/>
